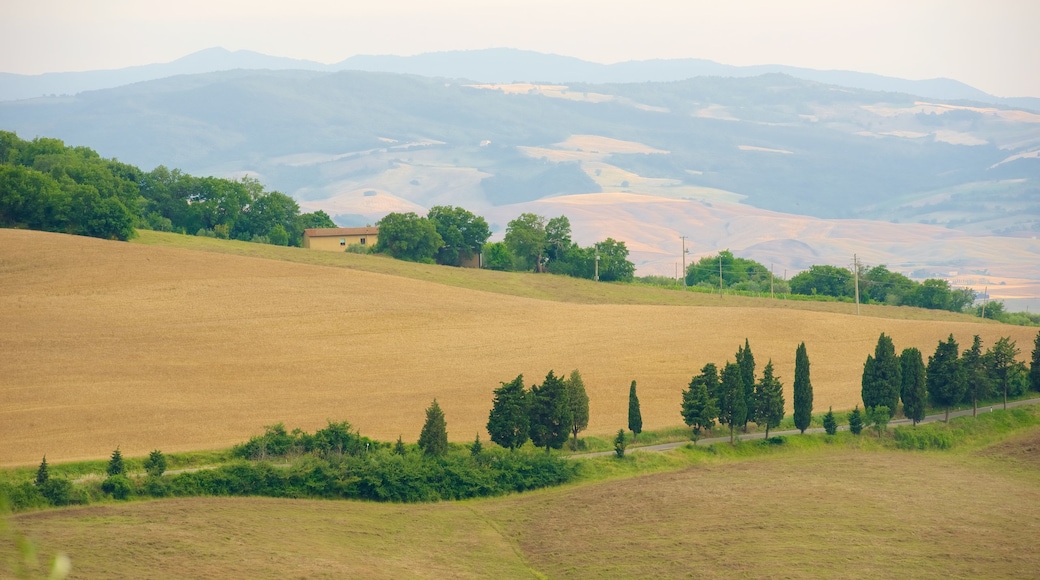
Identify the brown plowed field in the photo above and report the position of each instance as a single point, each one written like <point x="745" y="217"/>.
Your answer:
<point x="106" y="343"/>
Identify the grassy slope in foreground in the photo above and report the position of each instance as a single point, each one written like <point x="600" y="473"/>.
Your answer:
<point x="811" y="510"/>
<point x="110" y="344"/>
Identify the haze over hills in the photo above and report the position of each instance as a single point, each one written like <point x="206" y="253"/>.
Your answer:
<point x="360" y="144"/>
<point x="496" y="65"/>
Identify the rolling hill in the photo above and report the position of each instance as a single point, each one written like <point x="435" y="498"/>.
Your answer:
<point x="108" y="343"/>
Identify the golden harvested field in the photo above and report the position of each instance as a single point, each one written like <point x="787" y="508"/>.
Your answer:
<point x="145" y="347"/>
<point x="810" y="513"/>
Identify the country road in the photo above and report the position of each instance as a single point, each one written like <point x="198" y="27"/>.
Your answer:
<point x="747" y="436"/>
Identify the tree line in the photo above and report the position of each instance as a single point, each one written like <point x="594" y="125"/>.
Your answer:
<point x="46" y="185"/>
<point x="452" y="235"/>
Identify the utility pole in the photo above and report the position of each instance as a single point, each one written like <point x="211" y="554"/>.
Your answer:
<point x="720" y="275"/>
<point x="855" y="266"/>
<point x="597" y="262"/>
<point x="683" y="262"/>
<point x="770" y="281"/>
<point x="984" y="302"/>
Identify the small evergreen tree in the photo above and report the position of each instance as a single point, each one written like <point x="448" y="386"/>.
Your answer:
<point x="155" y="465"/>
<point x="1034" y="365"/>
<point x="41" y="473"/>
<point x="115" y="464"/>
<point x="698" y="408"/>
<point x="433" y="439"/>
<point x="509" y="422"/>
<point x="1000" y="359"/>
<point x="578" y="400"/>
<point x="399" y="446"/>
<point x="732" y="408"/>
<point x="746" y="362"/>
<point x="635" y="417"/>
<point x="476" y="448"/>
<point x="881" y="376"/>
<point x="830" y="424"/>
<point x="945" y="376"/>
<point x="913" y="391"/>
<point x="879" y="417"/>
<point x="803" y="394"/>
<point x="550" y="413"/>
<point x="976" y="375"/>
<point x="620" y="444"/>
<point x="769" y="400"/>
<point x="855" y="421"/>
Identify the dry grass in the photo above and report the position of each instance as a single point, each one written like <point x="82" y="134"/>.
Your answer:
<point x="108" y="344"/>
<point x="807" y="513"/>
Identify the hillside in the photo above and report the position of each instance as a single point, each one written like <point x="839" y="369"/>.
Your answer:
<point x="110" y="344"/>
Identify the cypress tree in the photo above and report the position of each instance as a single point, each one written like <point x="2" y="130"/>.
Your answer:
<point x="509" y="421"/>
<point x="433" y="439"/>
<point x="732" y="408"/>
<point x="1000" y="358"/>
<point x="976" y="376"/>
<point x="803" y="395"/>
<point x="578" y="400"/>
<point x="698" y="407"/>
<point x="913" y="391"/>
<point x="868" y="383"/>
<point x="635" y="417"/>
<point x="830" y="424"/>
<point x="746" y="361"/>
<point x="855" y="421"/>
<point x="115" y="464"/>
<point x="41" y="473"/>
<point x="769" y="400"/>
<point x="881" y="381"/>
<point x="1034" y="365"/>
<point x="945" y="376"/>
<point x="550" y="413"/>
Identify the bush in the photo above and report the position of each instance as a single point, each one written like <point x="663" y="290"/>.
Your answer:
<point x="922" y="438"/>
<point x="115" y="464"/>
<point x="118" y="486"/>
<point x="155" y="465"/>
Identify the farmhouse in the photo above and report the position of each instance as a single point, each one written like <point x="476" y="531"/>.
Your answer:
<point x="337" y="239"/>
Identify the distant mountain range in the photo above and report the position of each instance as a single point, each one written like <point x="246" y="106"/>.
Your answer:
<point x="498" y="65"/>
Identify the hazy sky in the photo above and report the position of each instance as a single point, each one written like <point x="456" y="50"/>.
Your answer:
<point x="992" y="45"/>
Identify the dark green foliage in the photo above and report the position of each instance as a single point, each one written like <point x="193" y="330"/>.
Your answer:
<point x="334" y="439"/>
<point x="497" y="256"/>
<point x="59" y="491"/>
<point x="433" y="439"/>
<point x="399" y="446"/>
<point x="922" y="439"/>
<point x="476" y="447"/>
<point x="732" y="407"/>
<point x="118" y="486"/>
<point x="620" y="443"/>
<point x="855" y="421"/>
<point x="115" y="464"/>
<point x="803" y="394"/>
<point x="406" y="236"/>
<point x="883" y="286"/>
<point x="557" y="239"/>
<point x="977" y="380"/>
<point x="318" y="219"/>
<point x="737" y="273"/>
<point x="578" y="400"/>
<point x="41" y="472"/>
<point x="155" y="465"/>
<point x="945" y="376"/>
<point x="525" y="238"/>
<point x="746" y="362"/>
<point x="509" y="421"/>
<point x="881" y="376"/>
<point x="830" y="424"/>
<point x="823" y="280"/>
<point x="613" y="261"/>
<point x="1034" y="365"/>
<point x="462" y="232"/>
<point x="550" y="413"/>
<point x="635" y="416"/>
<point x="879" y="417"/>
<point x="769" y="400"/>
<point x="912" y="392"/>
<point x="1000" y="359"/>
<point x="699" y="409"/>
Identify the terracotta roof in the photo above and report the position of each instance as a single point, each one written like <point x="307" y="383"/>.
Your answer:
<point x="333" y="232"/>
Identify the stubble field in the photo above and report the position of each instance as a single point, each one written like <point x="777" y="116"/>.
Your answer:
<point x="145" y="347"/>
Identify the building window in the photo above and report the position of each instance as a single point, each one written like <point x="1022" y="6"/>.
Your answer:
<point x="362" y="241"/>
<point x="343" y="241"/>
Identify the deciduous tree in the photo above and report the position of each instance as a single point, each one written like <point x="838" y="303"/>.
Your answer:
<point x="463" y="233"/>
<point x="803" y="393"/>
<point x="406" y="236"/>
<point x="433" y="439"/>
<point x="509" y="422"/>
<point x="525" y="238"/>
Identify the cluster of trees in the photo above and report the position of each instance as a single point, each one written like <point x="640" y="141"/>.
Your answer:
<point x="547" y="414"/>
<point x="736" y="274"/>
<point x="882" y="286"/>
<point x="452" y="235"/>
<point x="46" y="185"/>
<point x="735" y="397"/>
<point x="951" y="377"/>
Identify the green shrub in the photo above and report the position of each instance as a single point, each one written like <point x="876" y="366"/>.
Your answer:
<point x="922" y="438"/>
<point x="118" y="486"/>
<point x="155" y="465"/>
